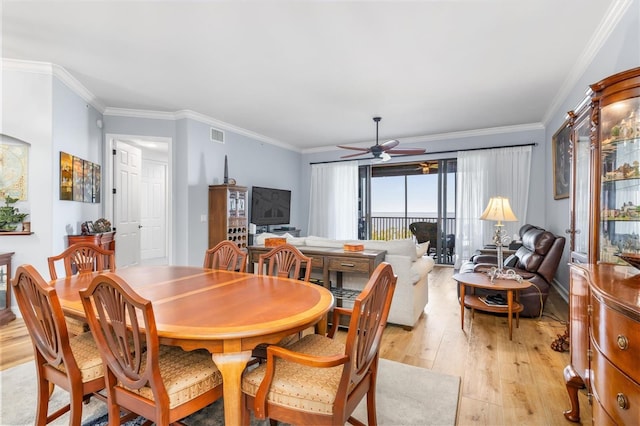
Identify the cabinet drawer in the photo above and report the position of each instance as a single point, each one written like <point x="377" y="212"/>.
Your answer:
<point x="317" y="262"/>
<point x="348" y="265"/>
<point x="617" y="393"/>
<point x="599" y="416"/>
<point x="617" y="337"/>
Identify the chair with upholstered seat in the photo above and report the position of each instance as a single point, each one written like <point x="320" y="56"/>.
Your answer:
<point x="80" y="258"/>
<point x="161" y="383"/>
<point x="285" y="261"/>
<point x="226" y="255"/>
<point x="74" y="364"/>
<point x="319" y="380"/>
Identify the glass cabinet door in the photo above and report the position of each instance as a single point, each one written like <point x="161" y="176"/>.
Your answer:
<point x="581" y="187"/>
<point x="620" y="179"/>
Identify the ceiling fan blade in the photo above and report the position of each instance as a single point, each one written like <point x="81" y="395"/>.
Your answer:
<point x="407" y="151"/>
<point x="354" y="148"/>
<point x="354" y="155"/>
<point x="389" y="144"/>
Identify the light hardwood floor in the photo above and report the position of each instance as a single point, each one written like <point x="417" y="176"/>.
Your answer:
<point x="503" y="382"/>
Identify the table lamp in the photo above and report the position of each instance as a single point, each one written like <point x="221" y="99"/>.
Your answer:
<point x="499" y="210"/>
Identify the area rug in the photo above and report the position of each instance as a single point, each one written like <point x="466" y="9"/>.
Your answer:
<point x="406" y="395"/>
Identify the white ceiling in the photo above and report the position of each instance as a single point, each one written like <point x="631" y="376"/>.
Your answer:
<point x="312" y="74"/>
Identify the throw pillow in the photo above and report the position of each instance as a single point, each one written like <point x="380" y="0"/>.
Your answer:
<point x="422" y="249"/>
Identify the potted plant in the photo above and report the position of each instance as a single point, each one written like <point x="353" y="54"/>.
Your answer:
<point x="10" y="216"/>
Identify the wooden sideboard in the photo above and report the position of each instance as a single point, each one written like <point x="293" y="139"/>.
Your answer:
<point x="106" y="240"/>
<point x="6" y="315"/>
<point x="330" y="260"/>
<point x="604" y="326"/>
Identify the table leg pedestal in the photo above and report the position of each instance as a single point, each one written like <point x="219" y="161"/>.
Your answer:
<point x="231" y="365"/>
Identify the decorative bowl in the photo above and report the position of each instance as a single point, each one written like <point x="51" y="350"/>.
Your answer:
<point x="631" y="258"/>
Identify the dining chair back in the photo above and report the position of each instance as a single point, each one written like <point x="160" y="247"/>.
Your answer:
<point x="226" y="255"/>
<point x="82" y="257"/>
<point x="161" y="383"/>
<point x="74" y="364"/>
<point x="306" y="387"/>
<point x="285" y="261"/>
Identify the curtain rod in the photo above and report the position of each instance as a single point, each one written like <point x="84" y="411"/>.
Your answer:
<point x="437" y="152"/>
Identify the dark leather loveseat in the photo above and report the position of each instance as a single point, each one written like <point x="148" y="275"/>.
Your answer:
<point x="536" y="261"/>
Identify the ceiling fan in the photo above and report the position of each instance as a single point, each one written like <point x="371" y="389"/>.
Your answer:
<point x="427" y="167"/>
<point x="382" y="151"/>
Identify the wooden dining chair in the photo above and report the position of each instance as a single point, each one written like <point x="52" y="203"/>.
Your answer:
<point x="80" y="258"/>
<point x="74" y="364"/>
<point x="161" y="383"/>
<point x="225" y="255"/>
<point x="319" y="380"/>
<point x="285" y="261"/>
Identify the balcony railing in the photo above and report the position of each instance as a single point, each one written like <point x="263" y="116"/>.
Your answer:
<point x="390" y="228"/>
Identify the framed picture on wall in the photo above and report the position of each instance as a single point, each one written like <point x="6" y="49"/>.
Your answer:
<point x="78" y="179"/>
<point x="97" y="182"/>
<point x="66" y="176"/>
<point x="87" y="196"/>
<point x="561" y="145"/>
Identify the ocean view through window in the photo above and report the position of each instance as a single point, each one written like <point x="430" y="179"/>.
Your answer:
<point x="401" y="196"/>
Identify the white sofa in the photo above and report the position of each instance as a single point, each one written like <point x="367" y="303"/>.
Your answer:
<point x="407" y="260"/>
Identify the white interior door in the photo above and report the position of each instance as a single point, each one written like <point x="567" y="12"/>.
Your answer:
<point x="154" y="212"/>
<point x="128" y="165"/>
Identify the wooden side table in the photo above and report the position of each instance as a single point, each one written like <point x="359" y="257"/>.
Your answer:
<point x="481" y="280"/>
<point x="6" y="315"/>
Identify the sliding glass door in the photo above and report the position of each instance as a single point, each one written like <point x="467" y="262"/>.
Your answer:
<point x="394" y="196"/>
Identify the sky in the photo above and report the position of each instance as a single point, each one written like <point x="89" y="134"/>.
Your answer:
<point x="387" y="194"/>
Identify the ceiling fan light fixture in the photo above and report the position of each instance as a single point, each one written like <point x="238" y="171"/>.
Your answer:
<point x="382" y="151"/>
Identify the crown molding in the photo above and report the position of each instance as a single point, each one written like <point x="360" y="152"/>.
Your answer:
<point x="57" y="71"/>
<point x="192" y="115"/>
<point x="443" y="136"/>
<point x="609" y="22"/>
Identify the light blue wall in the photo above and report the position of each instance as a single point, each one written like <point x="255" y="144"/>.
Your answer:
<point x="40" y="110"/>
<point x="448" y="148"/>
<point x="620" y="52"/>
<point x="250" y="162"/>
<point x="198" y="162"/>
<point x="26" y="115"/>
<point x="75" y="132"/>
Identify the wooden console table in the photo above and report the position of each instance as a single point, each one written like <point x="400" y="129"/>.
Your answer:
<point x="6" y="315"/>
<point x="330" y="259"/>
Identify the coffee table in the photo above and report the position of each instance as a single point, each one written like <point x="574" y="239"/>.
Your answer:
<point x="482" y="280"/>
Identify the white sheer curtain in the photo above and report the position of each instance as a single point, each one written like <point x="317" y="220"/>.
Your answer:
<point x="483" y="174"/>
<point x="333" y="207"/>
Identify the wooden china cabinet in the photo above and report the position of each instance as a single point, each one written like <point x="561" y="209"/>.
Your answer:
<point x="228" y="215"/>
<point x="604" y="299"/>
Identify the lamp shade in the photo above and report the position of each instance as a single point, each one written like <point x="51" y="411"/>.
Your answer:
<point x="499" y="210"/>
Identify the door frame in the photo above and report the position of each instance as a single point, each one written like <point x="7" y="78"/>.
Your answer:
<point x="109" y="182"/>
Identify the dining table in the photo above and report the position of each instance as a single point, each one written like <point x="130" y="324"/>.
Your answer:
<point x="227" y="313"/>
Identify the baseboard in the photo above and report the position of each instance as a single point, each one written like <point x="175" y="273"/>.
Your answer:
<point x="563" y="292"/>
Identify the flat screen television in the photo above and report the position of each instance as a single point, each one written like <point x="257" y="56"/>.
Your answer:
<point x="270" y="206"/>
